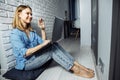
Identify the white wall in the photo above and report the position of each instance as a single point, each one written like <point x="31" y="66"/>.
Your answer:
<point x="104" y="39"/>
<point x="46" y="9"/>
<point x="85" y="22"/>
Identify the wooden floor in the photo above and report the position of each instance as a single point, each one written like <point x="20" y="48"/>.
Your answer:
<point x="83" y="55"/>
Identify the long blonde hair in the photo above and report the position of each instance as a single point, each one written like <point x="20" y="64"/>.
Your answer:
<point x="16" y="20"/>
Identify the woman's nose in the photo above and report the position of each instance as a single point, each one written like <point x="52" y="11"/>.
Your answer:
<point x="30" y="15"/>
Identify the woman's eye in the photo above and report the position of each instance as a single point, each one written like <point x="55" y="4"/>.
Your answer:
<point x="29" y="14"/>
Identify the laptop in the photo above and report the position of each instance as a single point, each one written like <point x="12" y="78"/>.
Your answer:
<point x="57" y="31"/>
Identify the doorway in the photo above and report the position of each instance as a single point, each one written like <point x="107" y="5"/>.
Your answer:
<point x="70" y="28"/>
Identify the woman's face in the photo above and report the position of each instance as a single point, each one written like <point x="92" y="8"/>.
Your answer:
<point x="26" y="16"/>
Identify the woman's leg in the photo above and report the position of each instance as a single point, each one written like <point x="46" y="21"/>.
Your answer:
<point x="67" y="54"/>
<point x="38" y="60"/>
<point x="65" y="59"/>
<point x="63" y="50"/>
<point x="61" y="58"/>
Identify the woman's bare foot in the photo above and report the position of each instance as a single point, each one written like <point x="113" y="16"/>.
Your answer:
<point x="82" y="72"/>
<point x="85" y="74"/>
<point x="83" y="67"/>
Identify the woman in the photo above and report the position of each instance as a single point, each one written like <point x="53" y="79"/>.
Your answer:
<point x="27" y="46"/>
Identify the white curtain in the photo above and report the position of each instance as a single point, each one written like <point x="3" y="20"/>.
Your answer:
<point x="77" y="9"/>
<point x="77" y="14"/>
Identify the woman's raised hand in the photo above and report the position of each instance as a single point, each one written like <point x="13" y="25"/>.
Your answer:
<point x="41" y="23"/>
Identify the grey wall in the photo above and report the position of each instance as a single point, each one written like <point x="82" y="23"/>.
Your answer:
<point x="85" y="22"/>
<point x="104" y="37"/>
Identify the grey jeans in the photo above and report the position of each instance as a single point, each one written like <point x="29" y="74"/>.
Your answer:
<point x="55" y="52"/>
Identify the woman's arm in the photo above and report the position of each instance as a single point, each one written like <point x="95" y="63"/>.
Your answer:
<point x="31" y="51"/>
<point x="43" y="34"/>
<point x="42" y="27"/>
<point x="19" y="45"/>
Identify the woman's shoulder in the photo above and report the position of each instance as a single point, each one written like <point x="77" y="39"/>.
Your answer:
<point x="16" y="31"/>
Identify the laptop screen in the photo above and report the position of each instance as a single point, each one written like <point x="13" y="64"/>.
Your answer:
<point x="57" y="29"/>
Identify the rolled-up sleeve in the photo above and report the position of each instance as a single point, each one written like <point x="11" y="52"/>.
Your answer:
<point x="19" y="47"/>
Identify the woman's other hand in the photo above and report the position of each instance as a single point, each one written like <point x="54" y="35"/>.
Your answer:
<point x="46" y="42"/>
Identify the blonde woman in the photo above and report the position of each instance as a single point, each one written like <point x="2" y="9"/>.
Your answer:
<point x="27" y="44"/>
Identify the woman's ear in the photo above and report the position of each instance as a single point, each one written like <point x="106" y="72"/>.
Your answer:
<point x="19" y="15"/>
